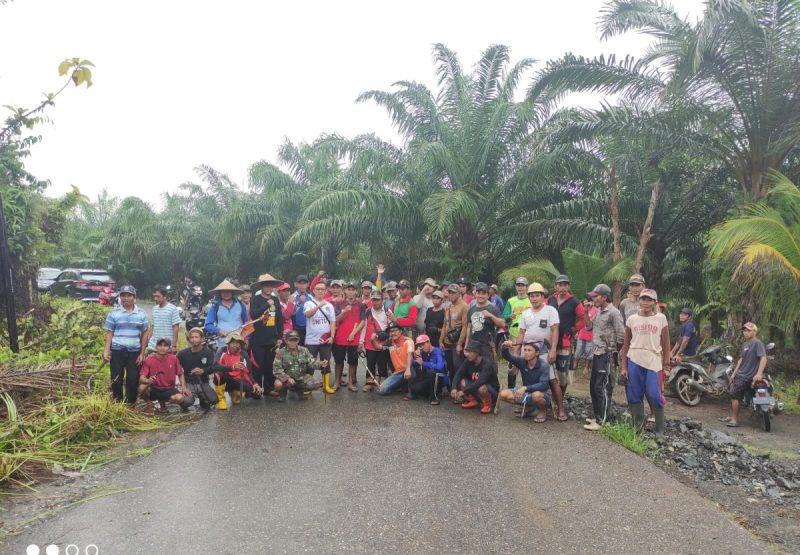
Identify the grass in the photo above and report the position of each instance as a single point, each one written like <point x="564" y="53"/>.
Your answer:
<point x="72" y="431"/>
<point x="789" y="394"/>
<point x="627" y="436"/>
<point x="773" y="453"/>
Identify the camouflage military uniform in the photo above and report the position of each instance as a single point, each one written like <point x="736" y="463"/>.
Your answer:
<point x="300" y="366"/>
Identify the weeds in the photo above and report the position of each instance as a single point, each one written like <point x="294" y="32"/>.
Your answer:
<point x="788" y="393"/>
<point x="627" y="436"/>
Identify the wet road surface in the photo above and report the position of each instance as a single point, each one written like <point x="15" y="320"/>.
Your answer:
<point x="366" y="474"/>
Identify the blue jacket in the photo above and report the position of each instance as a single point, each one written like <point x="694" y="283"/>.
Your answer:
<point x="226" y="319"/>
<point x="432" y="363"/>
<point x="534" y="379"/>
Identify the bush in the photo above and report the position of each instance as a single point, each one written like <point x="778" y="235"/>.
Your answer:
<point x="626" y="435"/>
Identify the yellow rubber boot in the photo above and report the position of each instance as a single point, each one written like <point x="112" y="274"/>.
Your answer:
<point x="326" y="384"/>
<point x="236" y="396"/>
<point x="221" y="404"/>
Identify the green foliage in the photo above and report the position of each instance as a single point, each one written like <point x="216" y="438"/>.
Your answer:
<point x="626" y="435"/>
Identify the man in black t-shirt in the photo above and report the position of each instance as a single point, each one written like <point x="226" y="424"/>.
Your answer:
<point x="196" y="362"/>
<point x="749" y="370"/>
<point x="483" y="319"/>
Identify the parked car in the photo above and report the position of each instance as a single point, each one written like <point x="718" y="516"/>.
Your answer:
<point x="46" y="278"/>
<point x="85" y="285"/>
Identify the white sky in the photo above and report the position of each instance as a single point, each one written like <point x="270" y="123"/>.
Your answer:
<point x="183" y="83"/>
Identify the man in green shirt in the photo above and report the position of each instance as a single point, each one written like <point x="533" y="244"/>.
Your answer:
<point x="512" y="312"/>
<point x="295" y="367"/>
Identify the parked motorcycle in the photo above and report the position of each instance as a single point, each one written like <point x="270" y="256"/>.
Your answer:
<point x="690" y="380"/>
<point x="193" y="298"/>
<point x="107" y="296"/>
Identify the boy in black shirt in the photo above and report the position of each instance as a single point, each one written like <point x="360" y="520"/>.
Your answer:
<point x="196" y="361"/>
<point x="476" y="379"/>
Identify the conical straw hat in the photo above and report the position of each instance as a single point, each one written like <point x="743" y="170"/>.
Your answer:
<point x="226" y="286"/>
<point x="266" y="279"/>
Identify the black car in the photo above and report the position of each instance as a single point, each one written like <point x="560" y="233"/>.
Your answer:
<point x="82" y="284"/>
<point x="46" y="278"/>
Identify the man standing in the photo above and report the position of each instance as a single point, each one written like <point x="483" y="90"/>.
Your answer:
<point x="642" y="358"/>
<point x="749" y="370"/>
<point x="126" y="334"/>
<point x="391" y="292"/>
<point x="584" y="350"/>
<point x="434" y="319"/>
<point x="403" y="311"/>
<point x="166" y="320"/>
<point x="349" y="321"/>
<point x="320" y="330"/>
<point x="424" y="302"/>
<point x="376" y="322"/>
<point x="454" y="330"/>
<point x="265" y="310"/>
<point x="287" y="306"/>
<point x="512" y="313"/>
<point x="196" y="361"/>
<point x="608" y="334"/>
<point x="226" y="313"/>
<point x="686" y="345"/>
<point x="366" y="291"/>
<point x="483" y="320"/>
<point x="476" y="378"/>
<point x="299" y="299"/>
<point x="495" y="298"/>
<point x="540" y="324"/>
<point x="570" y="317"/>
<point x="630" y="305"/>
<point x="465" y="287"/>
<point x="246" y="296"/>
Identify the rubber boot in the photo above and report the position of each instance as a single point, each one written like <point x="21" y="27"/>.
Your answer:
<point x="659" y="414"/>
<point x="470" y="402"/>
<point x="326" y="383"/>
<point x="236" y="396"/>
<point x="486" y="403"/>
<point x="221" y="404"/>
<point x="512" y="380"/>
<point x="637" y="415"/>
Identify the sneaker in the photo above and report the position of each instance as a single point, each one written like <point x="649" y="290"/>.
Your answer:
<point x="593" y="427"/>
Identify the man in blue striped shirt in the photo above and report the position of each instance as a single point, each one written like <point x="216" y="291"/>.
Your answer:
<point x="126" y="337"/>
<point x="166" y="320"/>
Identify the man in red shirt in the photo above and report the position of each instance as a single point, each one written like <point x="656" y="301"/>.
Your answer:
<point x="157" y="378"/>
<point x="349" y="321"/>
<point x="403" y="310"/>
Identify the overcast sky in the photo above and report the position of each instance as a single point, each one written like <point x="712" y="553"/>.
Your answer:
<point x="179" y="83"/>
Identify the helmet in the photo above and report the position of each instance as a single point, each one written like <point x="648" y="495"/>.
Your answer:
<point x="536" y="287"/>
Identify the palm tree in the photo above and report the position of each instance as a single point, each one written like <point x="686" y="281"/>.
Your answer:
<point x="762" y="246"/>
<point x="735" y="71"/>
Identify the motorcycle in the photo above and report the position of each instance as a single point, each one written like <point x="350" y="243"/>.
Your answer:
<point x="193" y="298"/>
<point x="690" y="380"/>
<point x="172" y="296"/>
<point x="107" y="296"/>
<point x="196" y="318"/>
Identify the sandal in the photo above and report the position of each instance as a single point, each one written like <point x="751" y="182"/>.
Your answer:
<point x="518" y="410"/>
<point x="367" y="388"/>
<point x="435" y="402"/>
<point x="162" y="410"/>
<point x="540" y="419"/>
<point x="407" y="398"/>
<point x="562" y="417"/>
<point x="732" y="424"/>
<point x="149" y="410"/>
<point x="352" y="388"/>
<point x="724" y="419"/>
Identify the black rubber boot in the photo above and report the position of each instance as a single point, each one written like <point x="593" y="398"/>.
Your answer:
<point x="637" y="415"/>
<point x="660" y="424"/>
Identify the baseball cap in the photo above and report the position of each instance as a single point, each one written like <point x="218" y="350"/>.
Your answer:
<point x="391" y="286"/>
<point x="688" y="311"/>
<point x="393" y="326"/>
<point x="463" y="280"/>
<point x="292" y="334"/>
<point x="164" y="341"/>
<point x="350" y="285"/>
<point x="649" y="293"/>
<point x="445" y="283"/>
<point x="129" y="289"/>
<point x="301" y="278"/>
<point x="601" y="289"/>
<point x="481" y="286"/>
<point x="453" y="288"/>
<point x="284" y="286"/>
<point x="366" y="284"/>
<point x="422" y="339"/>
<point x="376" y="295"/>
<point x="234" y="336"/>
<point x="494" y="286"/>
<point x="563" y="278"/>
<point x="196" y="330"/>
<point x="437" y="294"/>
<point x="750" y="326"/>
<point x="431" y="282"/>
<point x="336" y="283"/>
<point x="636" y="278"/>
<point x="404" y="283"/>
<point x="521" y="281"/>
<point x="245" y="288"/>
<point x="474" y="346"/>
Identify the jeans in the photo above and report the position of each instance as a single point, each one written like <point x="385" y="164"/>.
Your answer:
<point x="124" y="370"/>
<point x="392" y="384"/>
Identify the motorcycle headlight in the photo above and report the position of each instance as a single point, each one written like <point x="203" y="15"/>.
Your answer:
<point x="729" y="358"/>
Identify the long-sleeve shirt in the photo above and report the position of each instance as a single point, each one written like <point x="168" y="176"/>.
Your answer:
<point x="432" y="363"/>
<point x="295" y="365"/>
<point x="225" y="363"/>
<point x="608" y="330"/>
<point x="405" y="311"/>
<point x="534" y="379"/>
<point x="203" y="359"/>
<point x="270" y="331"/>
<point x="374" y="322"/>
<point x="222" y="318"/>
<point x="476" y="375"/>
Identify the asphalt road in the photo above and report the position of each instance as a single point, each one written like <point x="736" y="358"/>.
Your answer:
<point x="366" y="474"/>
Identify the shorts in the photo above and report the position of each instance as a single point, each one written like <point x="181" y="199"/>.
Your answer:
<point x="529" y="396"/>
<point x="543" y="358"/>
<point x="565" y="378"/>
<point x="162" y="394"/>
<point x="584" y="350"/>
<point x="323" y="352"/>
<point x="738" y="388"/>
<point x="342" y="352"/>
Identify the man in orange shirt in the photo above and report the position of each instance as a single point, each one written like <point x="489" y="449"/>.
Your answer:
<point x="401" y="352"/>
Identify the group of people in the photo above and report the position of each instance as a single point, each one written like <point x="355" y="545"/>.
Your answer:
<point x="271" y="338"/>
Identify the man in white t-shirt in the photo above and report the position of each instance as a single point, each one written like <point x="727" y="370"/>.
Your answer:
<point x="320" y="327"/>
<point x="539" y="324"/>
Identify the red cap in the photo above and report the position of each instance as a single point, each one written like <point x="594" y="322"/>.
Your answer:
<point x="284" y="286"/>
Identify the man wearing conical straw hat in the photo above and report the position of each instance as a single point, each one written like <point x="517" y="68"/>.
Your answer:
<point x="265" y="311"/>
<point x="226" y="313"/>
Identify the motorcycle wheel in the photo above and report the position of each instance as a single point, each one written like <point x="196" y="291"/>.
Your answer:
<point x="686" y="393"/>
<point x="766" y="422"/>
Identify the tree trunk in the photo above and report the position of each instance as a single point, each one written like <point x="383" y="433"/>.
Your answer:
<point x="648" y="224"/>
<point x="616" y="247"/>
